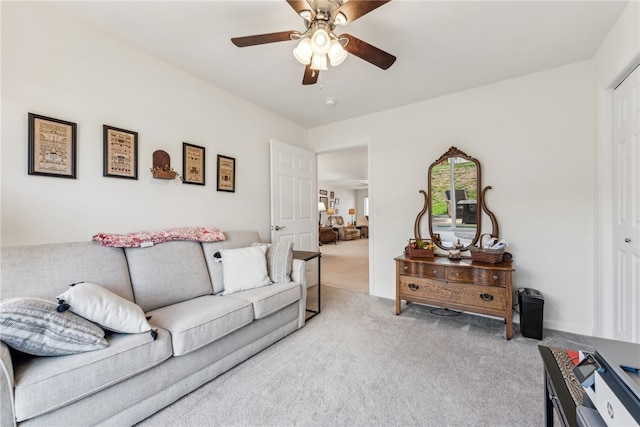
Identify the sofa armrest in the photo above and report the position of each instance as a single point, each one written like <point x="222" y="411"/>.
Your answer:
<point x="299" y="272"/>
<point x="299" y="275"/>
<point x="7" y="415"/>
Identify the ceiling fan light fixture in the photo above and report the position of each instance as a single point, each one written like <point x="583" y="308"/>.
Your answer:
<point x="320" y="42"/>
<point x="319" y="62"/>
<point x="303" y="51"/>
<point x="340" y="19"/>
<point x="306" y="15"/>
<point x="336" y="53"/>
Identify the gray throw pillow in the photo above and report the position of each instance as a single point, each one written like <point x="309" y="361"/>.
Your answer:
<point x="279" y="261"/>
<point x="33" y="326"/>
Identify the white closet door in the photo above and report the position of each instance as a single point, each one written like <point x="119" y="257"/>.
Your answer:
<point x="626" y="209"/>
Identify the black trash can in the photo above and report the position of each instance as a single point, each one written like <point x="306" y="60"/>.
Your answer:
<point x="531" y="304"/>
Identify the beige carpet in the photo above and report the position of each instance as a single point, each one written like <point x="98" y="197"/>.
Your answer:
<point x="345" y="265"/>
<point x="357" y="364"/>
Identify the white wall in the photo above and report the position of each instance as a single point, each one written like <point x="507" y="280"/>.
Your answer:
<point x="535" y="139"/>
<point x="54" y="66"/>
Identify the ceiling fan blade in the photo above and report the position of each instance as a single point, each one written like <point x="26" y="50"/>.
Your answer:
<point x="310" y="76"/>
<point x="300" y="5"/>
<point x="369" y="53"/>
<point x="245" y="41"/>
<point x="356" y="9"/>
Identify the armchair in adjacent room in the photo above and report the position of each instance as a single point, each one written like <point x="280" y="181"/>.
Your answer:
<point x="362" y="224"/>
<point x="345" y="232"/>
<point x="327" y="235"/>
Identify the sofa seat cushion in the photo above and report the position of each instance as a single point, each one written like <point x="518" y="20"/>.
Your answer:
<point x="43" y="384"/>
<point x="200" y="321"/>
<point x="269" y="299"/>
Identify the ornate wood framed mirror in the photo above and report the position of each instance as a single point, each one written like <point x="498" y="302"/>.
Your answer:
<point x="455" y="201"/>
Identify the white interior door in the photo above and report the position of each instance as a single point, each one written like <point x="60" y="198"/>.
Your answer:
<point x="626" y="208"/>
<point x="294" y="200"/>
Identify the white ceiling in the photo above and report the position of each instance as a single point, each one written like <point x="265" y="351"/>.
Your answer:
<point x="344" y="168"/>
<point x="442" y="47"/>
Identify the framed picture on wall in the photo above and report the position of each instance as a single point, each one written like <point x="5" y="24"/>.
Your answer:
<point x="323" y="192"/>
<point x="337" y="201"/>
<point x="325" y="200"/>
<point x="331" y="195"/>
<point x="226" y="174"/>
<point x="120" y="156"/>
<point x="332" y="204"/>
<point x="192" y="164"/>
<point x="52" y="147"/>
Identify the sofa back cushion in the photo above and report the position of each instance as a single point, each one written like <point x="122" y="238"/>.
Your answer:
<point x="167" y="273"/>
<point x="45" y="271"/>
<point x="233" y="239"/>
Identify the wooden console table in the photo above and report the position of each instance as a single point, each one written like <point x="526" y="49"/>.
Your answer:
<point x="456" y="284"/>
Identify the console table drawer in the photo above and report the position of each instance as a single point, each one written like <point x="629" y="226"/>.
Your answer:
<point x="459" y="274"/>
<point x="492" y="278"/>
<point x="478" y="296"/>
<point x="422" y="270"/>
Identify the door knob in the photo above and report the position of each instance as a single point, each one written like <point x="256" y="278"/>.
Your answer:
<point x="627" y="240"/>
<point x="278" y="228"/>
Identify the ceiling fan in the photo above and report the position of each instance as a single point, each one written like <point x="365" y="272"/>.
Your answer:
<point x="319" y="44"/>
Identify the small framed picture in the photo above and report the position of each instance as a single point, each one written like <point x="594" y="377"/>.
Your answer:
<point x="226" y="174"/>
<point x="323" y="192"/>
<point x="192" y="164"/>
<point x="332" y="204"/>
<point x="337" y="201"/>
<point x="120" y="148"/>
<point x="52" y="147"/>
<point x="331" y="195"/>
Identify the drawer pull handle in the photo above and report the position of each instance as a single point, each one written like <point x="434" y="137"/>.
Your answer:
<point x="413" y="286"/>
<point x="495" y="277"/>
<point x="486" y="297"/>
<point x="435" y="271"/>
<point x="406" y="267"/>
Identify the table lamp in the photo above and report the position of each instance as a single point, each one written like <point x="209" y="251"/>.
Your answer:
<point x="352" y="212"/>
<point x="330" y="212"/>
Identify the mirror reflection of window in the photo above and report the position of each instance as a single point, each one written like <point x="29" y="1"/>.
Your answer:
<point x="454" y="195"/>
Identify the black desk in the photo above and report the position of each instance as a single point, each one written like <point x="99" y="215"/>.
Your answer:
<point x="556" y="392"/>
<point x="308" y="256"/>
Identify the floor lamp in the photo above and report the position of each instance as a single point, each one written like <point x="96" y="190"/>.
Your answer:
<point x="321" y="208"/>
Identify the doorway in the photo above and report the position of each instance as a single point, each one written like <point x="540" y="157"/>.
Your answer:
<point x="343" y="182"/>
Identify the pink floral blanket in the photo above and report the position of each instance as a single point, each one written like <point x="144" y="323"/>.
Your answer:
<point x="149" y="238"/>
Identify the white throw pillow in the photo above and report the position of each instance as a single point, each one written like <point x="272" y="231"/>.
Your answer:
<point x="100" y="305"/>
<point x="244" y="268"/>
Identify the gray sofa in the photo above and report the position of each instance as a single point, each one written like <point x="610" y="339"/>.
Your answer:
<point x="201" y="333"/>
